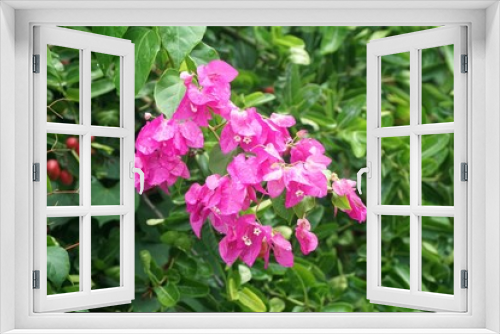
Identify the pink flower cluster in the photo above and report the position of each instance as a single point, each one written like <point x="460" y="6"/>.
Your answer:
<point x="270" y="162"/>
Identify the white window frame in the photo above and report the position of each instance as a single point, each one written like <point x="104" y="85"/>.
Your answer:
<point x="414" y="43"/>
<point x="86" y="43"/>
<point x="483" y="21"/>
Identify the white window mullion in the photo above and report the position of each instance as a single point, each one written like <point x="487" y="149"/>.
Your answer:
<point x="85" y="163"/>
<point x="414" y="171"/>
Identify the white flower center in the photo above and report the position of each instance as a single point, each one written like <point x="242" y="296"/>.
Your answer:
<point x="247" y="240"/>
<point x="193" y="108"/>
<point x="237" y="138"/>
<point x="247" y="140"/>
<point x="216" y="210"/>
<point x="256" y="231"/>
<point x="299" y="193"/>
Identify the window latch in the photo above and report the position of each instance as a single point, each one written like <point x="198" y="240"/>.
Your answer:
<point x="141" y="175"/>
<point x="368" y="171"/>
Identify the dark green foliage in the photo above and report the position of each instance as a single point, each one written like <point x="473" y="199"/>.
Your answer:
<point x="317" y="74"/>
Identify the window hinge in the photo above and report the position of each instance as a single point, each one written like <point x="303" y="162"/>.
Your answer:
<point x="36" y="279"/>
<point x="464" y="171"/>
<point x="36" y="63"/>
<point x="465" y="279"/>
<point x="465" y="64"/>
<point x="36" y="172"/>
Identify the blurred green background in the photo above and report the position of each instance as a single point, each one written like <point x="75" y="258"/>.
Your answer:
<point x="317" y="74"/>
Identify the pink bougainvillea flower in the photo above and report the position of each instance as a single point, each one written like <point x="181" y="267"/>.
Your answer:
<point x="308" y="241"/>
<point x="160" y="169"/>
<point x="245" y="170"/>
<point x="187" y="110"/>
<point x="282" y="249"/>
<point x="183" y="134"/>
<point x="145" y="143"/>
<point x="213" y="90"/>
<point x="345" y="187"/>
<point x="247" y="239"/>
<point x="311" y="152"/>
<point x="242" y="129"/>
<point x="298" y="181"/>
<point x="216" y="201"/>
<point x="244" y="240"/>
<point x="216" y="72"/>
<point x="275" y="131"/>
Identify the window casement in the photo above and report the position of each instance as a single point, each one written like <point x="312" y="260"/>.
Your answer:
<point x="412" y="213"/>
<point x="417" y="209"/>
<point x="82" y="206"/>
<point x="481" y="101"/>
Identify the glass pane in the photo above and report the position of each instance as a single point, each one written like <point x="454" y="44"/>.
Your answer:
<point x="105" y="157"/>
<point x="395" y="89"/>
<point x="437" y="84"/>
<point x="105" y="89"/>
<point x="105" y="250"/>
<point x="437" y="254"/>
<point x="437" y="170"/>
<point x="63" y="170"/>
<point x="63" y="255"/>
<point x="395" y="251"/>
<point x="395" y="170"/>
<point x="63" y="84"/>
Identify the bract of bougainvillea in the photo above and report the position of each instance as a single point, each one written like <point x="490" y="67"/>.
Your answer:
<point x="267" y="160"/>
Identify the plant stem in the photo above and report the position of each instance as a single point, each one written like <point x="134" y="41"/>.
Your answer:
<point x="152" y="206"/>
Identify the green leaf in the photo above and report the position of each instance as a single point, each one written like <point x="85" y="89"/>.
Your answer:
<point x="305" y="274"/>
<point x="202" y="54"/>
<point x="276" y="305"/>
<point x="250" y="300"/>
<point x="299" y="55"/>
<point x="112" y="31"/>
<point x="304" y="206"/>
<point x="57" y="265"/>
<point x="340" y="202"/>
<point x="338" y="307"/>
<point x="191" y="288"/>
<point x="218" y="161"/>
<point x="285" y="231"/>
<point x="168" y="295"/>
<point x="280" y="209"/>
<point x="292" y="94"/>
<point x="102" y="195"/>
<point x="179" y="41"/>
<point x="169" y="91"/>
<point x="101" y="87"/>
<point x="147" y="45"/>
<point x="232" y="289"/>
<point x="245" y="273"/>
<point x="108" y="117"/>
<point x="333" y="38"/>
<point x="257" y="99"/>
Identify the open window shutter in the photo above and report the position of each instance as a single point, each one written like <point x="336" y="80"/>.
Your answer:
<point x="50" y="261"/>
<point x="416" y="295"/>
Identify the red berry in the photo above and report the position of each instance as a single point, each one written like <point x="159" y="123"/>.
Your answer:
<point x="269" y="90"/>
<point x="92" y="138"/>
<point x="66" y="177"/>
<point x="72" y="143"/>
<point x="53" y="169"/>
